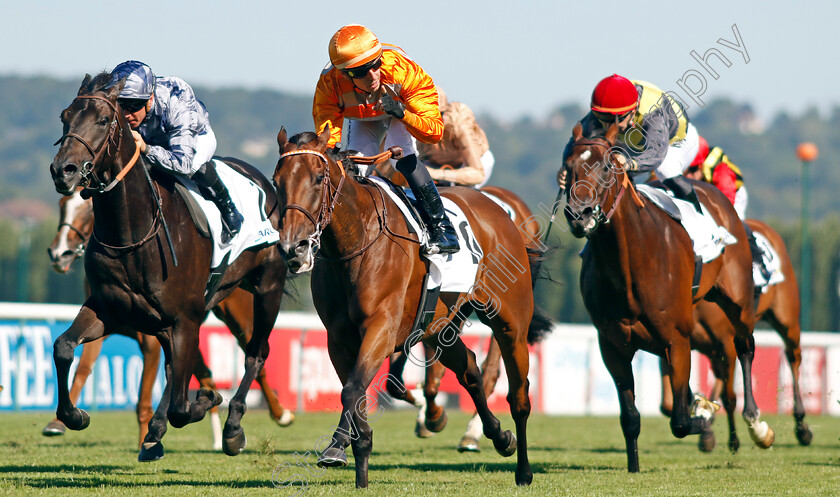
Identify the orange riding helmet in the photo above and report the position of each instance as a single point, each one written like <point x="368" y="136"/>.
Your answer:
<point x="615" y="95"/>
<point x="353" y="46"/>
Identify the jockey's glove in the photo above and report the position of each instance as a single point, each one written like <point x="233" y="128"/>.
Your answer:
<point x="392" y="106"/>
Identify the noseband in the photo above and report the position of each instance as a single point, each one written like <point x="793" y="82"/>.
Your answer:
<point x="80" y="250"/>
<point x="87" y="173"/>
<point x="329" y="196"/>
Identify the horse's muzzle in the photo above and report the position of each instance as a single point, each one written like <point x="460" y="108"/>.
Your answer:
<point x="65" y="177"/>
<point x="582" y="222"/>
<point x="300" y="256"/>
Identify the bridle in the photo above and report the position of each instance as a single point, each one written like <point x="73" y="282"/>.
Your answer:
<point x="80" y="250"/>
<point x="329" y="197"/>
<point x="89" y="180"/>
<point x="602" y="217"/>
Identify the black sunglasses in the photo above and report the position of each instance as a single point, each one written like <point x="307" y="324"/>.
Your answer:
<point x="131" y="105"/>
<point x="361" y="71"/>
<point x="607" y="118"/>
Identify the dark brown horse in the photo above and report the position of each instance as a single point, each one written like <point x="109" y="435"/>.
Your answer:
<point x="134" y="282"/>
<point x="432" y="417"/>
<point x="779" y="306"/>
<point x="367" y="282"/>
<point x="74" y="230"/>
<point x="636" y="281"/>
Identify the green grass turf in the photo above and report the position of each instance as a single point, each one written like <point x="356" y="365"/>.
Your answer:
<point x="569" y="456"/>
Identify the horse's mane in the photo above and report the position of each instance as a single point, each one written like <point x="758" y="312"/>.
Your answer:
<point x="101" y="82"/>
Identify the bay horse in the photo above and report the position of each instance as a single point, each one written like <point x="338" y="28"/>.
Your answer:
<point x="130" y="266"/>
<point x="367" y="282"/>
<point x="432" y="417"/>
<point x="75" y="228"/>
<point x="636" y="282"/>
<point x="779" y="307"/>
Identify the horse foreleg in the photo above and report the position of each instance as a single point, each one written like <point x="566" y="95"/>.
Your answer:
<point x="86" y="327"/>
<point x="184" y="354"/>
<point x="621" y="371"/>
<point x="679" y="360"/>
<point x="90" y="352"/>
<point x="726" y="376"/>
<point x="666" y="406"/>
<point x="265" y="308"/>
<point x="435" y="417"/>
<point x="150" y="349"/>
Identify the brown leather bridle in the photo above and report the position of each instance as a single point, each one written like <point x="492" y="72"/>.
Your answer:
<point x="600" y="216"/>
<point x="87" y="171"/>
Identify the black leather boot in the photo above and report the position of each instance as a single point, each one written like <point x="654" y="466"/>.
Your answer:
<point x="442" y="237"/>
<point x="683" y="190"/>
<point x="212" y="188"/>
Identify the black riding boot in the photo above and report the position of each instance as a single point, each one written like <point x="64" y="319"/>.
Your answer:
<point x="442" y="237"/>
<point x="683" y="190"/>
<point x="756" y="252"/>
<point x="212" y="188"/>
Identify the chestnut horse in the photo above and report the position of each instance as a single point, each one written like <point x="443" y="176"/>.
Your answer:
<point x="779" y="307"/>
<point x="74" y="230"/>
<point x="636" y="282"/>
<point x="130" y="266"/>
<point x="367" y="283"/>
<point x="432" y="417"/>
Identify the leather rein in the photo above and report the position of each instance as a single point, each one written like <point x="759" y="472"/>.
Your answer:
<point x="329" y="198"/>
<point x="626" y="184"/>
<point x="87" y="168"/>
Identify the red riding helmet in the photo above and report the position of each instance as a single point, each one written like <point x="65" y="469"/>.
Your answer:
<point x="702" y="153"/>
<point x="615" y="95"/>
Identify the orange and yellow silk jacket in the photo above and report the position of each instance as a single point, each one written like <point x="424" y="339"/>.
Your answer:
<point x="336" y="98"/>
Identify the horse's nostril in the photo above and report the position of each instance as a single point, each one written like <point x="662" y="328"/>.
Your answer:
<point x="302" y="247"/>
<point x="70" y="169"/>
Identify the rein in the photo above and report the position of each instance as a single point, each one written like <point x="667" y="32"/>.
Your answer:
<point x="329" y="197"/>
<point x="626" y="184"/>
<point x="87" y="168"/>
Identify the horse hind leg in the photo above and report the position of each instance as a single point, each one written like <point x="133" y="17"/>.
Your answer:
<point x="790" y="334"/>
<point x="208" y="389"/>
<point x="490" y="371"/>
<point x="150" y="350"/>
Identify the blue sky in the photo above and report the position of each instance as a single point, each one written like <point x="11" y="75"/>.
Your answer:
<point x="500" y="57"/>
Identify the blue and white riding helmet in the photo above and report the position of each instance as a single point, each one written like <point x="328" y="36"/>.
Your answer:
<point x="139" y="80"/>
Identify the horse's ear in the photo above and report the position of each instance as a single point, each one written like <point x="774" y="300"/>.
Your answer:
<point x="612" y="133"/>
<point x="281" y="139"/>
<point x="85" y="84"/>
<point x="114" y="91"/>
<point x="324" y="137"/>
<point x="577" y="132"/>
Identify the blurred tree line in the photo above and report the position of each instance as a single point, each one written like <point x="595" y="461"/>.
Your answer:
<point x="527" y="151"/>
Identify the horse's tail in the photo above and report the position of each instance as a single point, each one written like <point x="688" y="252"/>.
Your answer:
<point x="541" y="324"/>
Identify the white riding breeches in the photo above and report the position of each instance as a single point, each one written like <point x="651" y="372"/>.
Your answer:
<point x="679" y="155"/>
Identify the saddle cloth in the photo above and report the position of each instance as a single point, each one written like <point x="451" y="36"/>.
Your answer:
<point x="707" y="238"/>
<point x="501" y="203"/>
<point x="451" y="272"/>
<point x="771" y="262"/>
<point x="249" y="199"/>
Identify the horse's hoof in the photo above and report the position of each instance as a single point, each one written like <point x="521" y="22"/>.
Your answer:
<point x="78" y="420"/>
<point x="150" y="451"/>
<point x="421" y="431"/>
<point x="437" y="425"/>
<point x="285" y="419"/>
<point x="506" y="444"/>
<point x="234" y="445"/>
<point x="54" y="428"/>
<point x="333" y="457"/>
<point x="468" y="444"/>
<point x="803" y="434"/>
<point x="524" y="479"/>
<point x="734" y="445"/>
<point x="762" y="435"/>
<point x="706" y="442"/>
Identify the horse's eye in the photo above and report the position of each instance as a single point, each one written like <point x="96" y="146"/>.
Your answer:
<point x="319" y="179"/>
<point x="102" y="122"/>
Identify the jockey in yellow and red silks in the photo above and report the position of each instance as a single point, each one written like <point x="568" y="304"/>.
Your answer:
<point x="387" y="99"/>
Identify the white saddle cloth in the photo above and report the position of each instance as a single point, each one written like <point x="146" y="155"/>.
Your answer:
<point x="707" y="238"/>
<point x="249" y="199"/>
<point x="771" y="262"/>
<point x="453" y="272"/>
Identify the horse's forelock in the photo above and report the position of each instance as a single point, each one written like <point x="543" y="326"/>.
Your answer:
<point x="101" y="82"/>
<point x="303" y="138"/>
